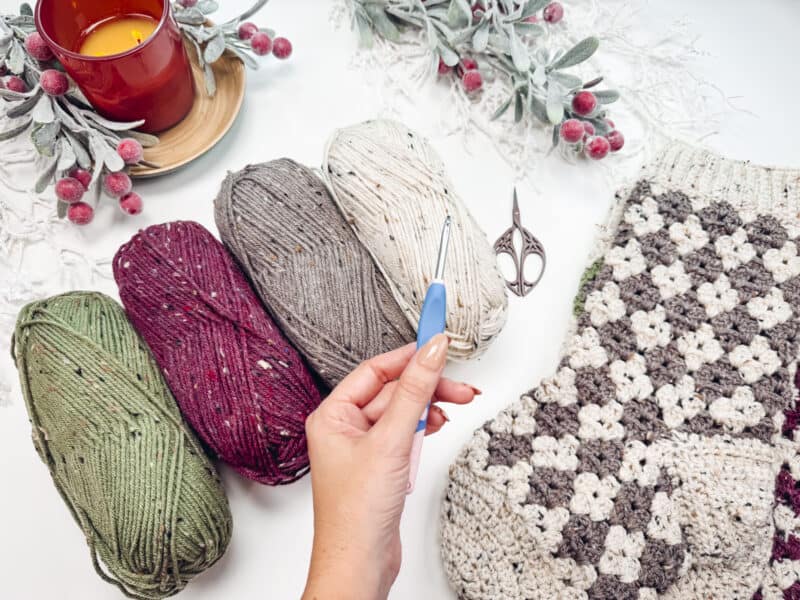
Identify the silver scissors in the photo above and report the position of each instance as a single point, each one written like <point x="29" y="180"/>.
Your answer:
<point x="530" y="247"/>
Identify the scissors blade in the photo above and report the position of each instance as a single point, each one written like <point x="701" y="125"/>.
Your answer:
<point x="515" y="210"/>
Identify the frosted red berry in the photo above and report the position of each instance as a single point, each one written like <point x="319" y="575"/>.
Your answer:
<point x="472" y="81"/>
<point x="610" y="124"/>
<point x="187" y="3"/>
<point x="281" y="48"/>
<point x="584" y="103"/>
<point x="80" y="213"/>
<point x="588" y="129"/>
<point x="37" y="48"/>
<point x="468" y="64"/>
<point x="443" y="68"/>
<point x="130" y="150"/>
<point x="15" y="84"/>
<point x="261" y="43"/>
<point x="82" y="175"/>
<point x="597" y="148"/>
<point x="117" y="185"/>
<point x="553" y="12"/>
<point x="54" y="83"/>
<point x="572" y="131"/>
<point x="69" y="189"/>
<point x="131" y="203"/>
<point x="615" y="140"/>
<point x="247" y="30"/>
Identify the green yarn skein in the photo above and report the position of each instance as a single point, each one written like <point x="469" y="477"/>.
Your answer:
<point x="136" y="479"/>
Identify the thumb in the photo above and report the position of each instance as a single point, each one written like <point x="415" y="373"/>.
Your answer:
<point x="414" y="391"/>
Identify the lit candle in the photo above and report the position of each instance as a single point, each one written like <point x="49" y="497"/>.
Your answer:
<point x="116" y="35"/>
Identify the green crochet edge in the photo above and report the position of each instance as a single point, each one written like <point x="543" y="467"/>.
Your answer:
<point x="588" y="276"/>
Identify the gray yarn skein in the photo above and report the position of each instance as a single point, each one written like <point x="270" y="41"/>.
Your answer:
<point x="315" y="278"/>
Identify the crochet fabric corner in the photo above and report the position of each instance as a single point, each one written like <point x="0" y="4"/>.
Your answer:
<point x="660" y="459"/>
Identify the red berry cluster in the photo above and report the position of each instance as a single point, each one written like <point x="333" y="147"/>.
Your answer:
<point x="467" y="70"/>
<point x="581" y="133"/>
<point x="262" y="44"/>
<point x="75" y="184"/>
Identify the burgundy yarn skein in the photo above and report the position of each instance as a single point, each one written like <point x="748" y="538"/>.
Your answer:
<point x="240" y="385"/>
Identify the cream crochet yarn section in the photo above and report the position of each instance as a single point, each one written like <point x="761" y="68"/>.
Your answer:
<point x="392" y="187"/>
<point x="661" y="458"/>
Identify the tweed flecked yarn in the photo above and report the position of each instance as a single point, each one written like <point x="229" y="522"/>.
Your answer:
<point x="393" y="189"/>
<point x="240" y="385"/>
<point x="104" y="422"/>
<point x="317" y="280"/>
<point x="661" y="460"/>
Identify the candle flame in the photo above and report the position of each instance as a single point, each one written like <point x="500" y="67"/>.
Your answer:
<point x="137" y="36"/>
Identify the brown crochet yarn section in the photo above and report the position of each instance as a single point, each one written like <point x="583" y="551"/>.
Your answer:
<point x="314" y="276"/>
<point x="646" y="465"/>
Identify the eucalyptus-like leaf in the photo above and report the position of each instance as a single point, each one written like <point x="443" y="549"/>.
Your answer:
<point x="606" y="96"/>
<point x="580" y="52"/>
<point x="46" y="175"/>
<point x="502" y="108"/>
<point x="67" y="158"/>
<point x="214" y="48"/>
<point x="524" y="28"/>
<point x="24" y="107"/>
<point x="43" y="111"/>
<point x="112" y="125"/>
<point x="539" y="75"/>
<point x="210" y="81"/>
<point x="592" y="83"/>
<point x="191" y="16"/>
<point x="518" y="107"/>
<point x="145" y="139"/>
<point x="81" y="154"/>
<point x="12" y="96"/>
<point x="555" y="104"/>
<point x="480" y="39"/>
<point x="15" y="131"/>
<point x="44" y="137"/>
<point x="382" y="23"/>
<point x="519" y="53"/>
<point x="433" y="39"/>
<point x="533" y="7"/>
<point x="555" y="135"/>
<point x="449" y="57"/>
<point x="61" y="208"/>
<point x="366" y="39"/>
<point x="566" y="80"/>
<point x="207" y="6"/>
<point x="25" y="10"/>
<point x="459" y="14"/>
<point x="16" y="58"/>
<point x="244" y="57"/>
<point x="538" y="109"/>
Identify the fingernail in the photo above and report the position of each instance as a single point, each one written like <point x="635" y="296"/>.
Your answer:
<point x="434" y="354"/>
<point x="444" y="414"/>
<point x="475" y="390"/>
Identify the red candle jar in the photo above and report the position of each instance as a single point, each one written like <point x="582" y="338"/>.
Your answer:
<point x="151" y="81"/>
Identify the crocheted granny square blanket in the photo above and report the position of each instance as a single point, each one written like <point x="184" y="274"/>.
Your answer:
<point x="660" y="459"/>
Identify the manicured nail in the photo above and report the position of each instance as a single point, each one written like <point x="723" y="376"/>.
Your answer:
<point x="443" y="413"/>
<point x="434" y="354"/>
<point x="475" y="390"/>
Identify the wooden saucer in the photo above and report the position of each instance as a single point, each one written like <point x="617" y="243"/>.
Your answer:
<point x="205" y="125"/>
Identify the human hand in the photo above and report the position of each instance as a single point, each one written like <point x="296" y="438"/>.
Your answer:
<point x="359" y="443"/>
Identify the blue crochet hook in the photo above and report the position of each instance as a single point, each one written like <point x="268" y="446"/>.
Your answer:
<point x="431" y="322"/>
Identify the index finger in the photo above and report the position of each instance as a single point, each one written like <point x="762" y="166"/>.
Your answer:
<point x="368" y="378"/>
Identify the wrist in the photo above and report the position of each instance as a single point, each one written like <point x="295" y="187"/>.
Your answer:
<point x="339" y="570"/>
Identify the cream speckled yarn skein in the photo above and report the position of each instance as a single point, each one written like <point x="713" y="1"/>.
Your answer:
<point x="392" y="187"/>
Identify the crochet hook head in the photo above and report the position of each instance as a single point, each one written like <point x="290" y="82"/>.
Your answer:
<point x="443" y="243"/>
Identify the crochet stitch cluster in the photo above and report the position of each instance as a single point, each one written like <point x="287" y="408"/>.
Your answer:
<point x="659" y="460"/>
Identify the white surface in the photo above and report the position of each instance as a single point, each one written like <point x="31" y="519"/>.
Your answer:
<point x="290" y="109"/>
